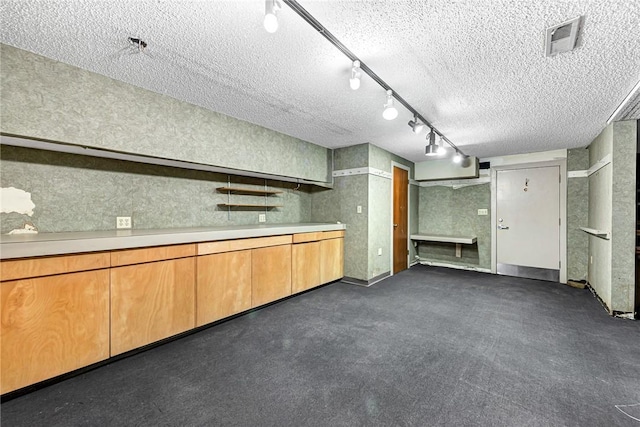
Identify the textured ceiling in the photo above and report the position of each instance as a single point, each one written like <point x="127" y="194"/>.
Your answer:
<point x="476" y="69"/>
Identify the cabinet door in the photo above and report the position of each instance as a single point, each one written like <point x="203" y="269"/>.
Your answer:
<point x="52" y="325"/>
<point x="270" y="274"/>
<point x="331" y="260"/>
<point x="223" y="285"/>
<point x="305" y="270"/>
<point x="150" y="302"/>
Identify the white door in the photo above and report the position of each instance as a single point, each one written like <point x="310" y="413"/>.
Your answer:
<point x="528" y="222"/>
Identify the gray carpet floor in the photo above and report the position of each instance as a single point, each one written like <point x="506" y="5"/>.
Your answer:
<point x="427" y="347"/>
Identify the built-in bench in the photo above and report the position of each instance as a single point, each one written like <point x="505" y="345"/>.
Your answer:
<point x="446" y="238"/>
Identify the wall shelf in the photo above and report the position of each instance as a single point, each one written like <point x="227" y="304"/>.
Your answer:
<point x="247" y="191"/>
<point x="251" y="196"/>
<point x="598" y="233"/>
<point x="249" y="205"/>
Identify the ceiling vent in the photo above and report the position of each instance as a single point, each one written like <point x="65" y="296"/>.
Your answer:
<point x="562" y="38"/>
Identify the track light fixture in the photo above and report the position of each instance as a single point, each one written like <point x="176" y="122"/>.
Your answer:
<point x="270" y="17"/>
<point x="441" y="149"/>
<point x="415" y="125"/>
<point x="390" y="112"/>
<point x="354" y="81"/>
<point x="431" y="149"/>
<point x="458" y="157"/>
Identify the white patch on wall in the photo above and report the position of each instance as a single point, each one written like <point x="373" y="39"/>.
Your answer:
<point x="15" y="200"/>
<point x="28" y="229"/>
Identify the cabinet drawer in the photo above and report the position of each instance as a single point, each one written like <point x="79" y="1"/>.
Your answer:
<point x="242" y="244"/>
<point x="48" y="266"/>
<point x="332" y="234"/>
<point x="307" y="237"/>
<point x="142" y="255"/>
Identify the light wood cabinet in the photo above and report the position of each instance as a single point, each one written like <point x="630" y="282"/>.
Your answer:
<point x="62" y="313"/>
<point x="150" y="302"/>
<point x="331" y="259"/>
<point x="54" y="324"/>
<point x="270" y="274"/>
<point x="305" y="266"/>
<point x="223" y="285"/>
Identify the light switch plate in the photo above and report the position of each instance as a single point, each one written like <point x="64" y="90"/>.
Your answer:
<point x="262" y="218"/>
<point x="483" y="212"/>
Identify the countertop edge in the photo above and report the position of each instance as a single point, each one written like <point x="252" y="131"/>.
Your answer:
<point x="32" y="247"/>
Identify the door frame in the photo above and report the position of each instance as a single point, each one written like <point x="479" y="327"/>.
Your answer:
<point x="562" y="163"/>
<point x="408" y="169"/>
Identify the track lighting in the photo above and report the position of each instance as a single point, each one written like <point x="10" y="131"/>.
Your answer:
<point x="431" y="149"/>
<point x="415" y="125"/>
<point x="441" y="149"/>
<point x="354" y="81"/>
<point x="390" y="112"/>
<point x="357" y="68"/>
<point x="270" y="17"/>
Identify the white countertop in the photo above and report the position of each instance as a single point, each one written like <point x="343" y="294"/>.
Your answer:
<point x="31" y="245"/>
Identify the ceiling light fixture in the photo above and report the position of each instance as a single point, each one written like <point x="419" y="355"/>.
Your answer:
<point x="431" y="149"/>
<point x="441" y="149"/>
<point x="271" y="7"/>
<point x="458" y="157"/>
<point x="354" y="81"/>
<point x="415" y="125"/>
<point x="390" y="112"/>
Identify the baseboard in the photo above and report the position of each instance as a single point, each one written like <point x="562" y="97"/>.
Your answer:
<point x="613" y="313"/>
<point x="366" y="283"/>
<point x="456" y="266"/>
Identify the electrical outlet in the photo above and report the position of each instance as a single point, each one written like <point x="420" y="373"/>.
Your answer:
<point x="123" y="222"/>
<point x="262" y="218"/>
<point x="359" y="209"/>
<point x="483" y="212"/>
<point x="379" y="251"/>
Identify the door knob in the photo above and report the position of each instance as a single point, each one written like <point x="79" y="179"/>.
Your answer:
<point x="502" y="227"/>
<point x="395" y="225"/>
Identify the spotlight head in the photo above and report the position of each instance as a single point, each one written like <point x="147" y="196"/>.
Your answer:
<point x="431" y="149"/>
<point x="390" y="112"/>
<point x="354" y="81"/>
<point x="441" y="149"/>
<point x="457" y="158"/>
<point x="415" y="125"/>
<point x="270" y="18"/>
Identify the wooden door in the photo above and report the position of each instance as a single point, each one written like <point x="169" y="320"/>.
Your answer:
<point x="53" y="325"/>
<point x="223" y="285"/>
<point x="331" y="260"/>
<point x="150" y="302"/>
<point x="270" y="274"/>
<point x="305" y="271"/>
<point x="400" y="221"/>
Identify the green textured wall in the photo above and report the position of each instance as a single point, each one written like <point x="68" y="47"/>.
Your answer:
<point x="42" y="98"/>
<point x="577" y="215"/>
<point x="79" y="193"/>
<point x="623" y="230"/>
<point x="370" y="230"/>
<point x="445" y="210"/>
<point x="612" y="195"/>
<point x="600" y="215"/>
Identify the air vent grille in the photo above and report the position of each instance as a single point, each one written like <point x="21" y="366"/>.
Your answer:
<point x="562" y="38"/>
